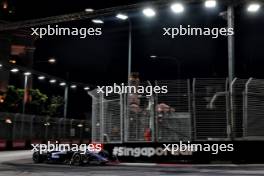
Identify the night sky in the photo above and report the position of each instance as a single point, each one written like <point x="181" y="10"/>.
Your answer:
<point x="103" y="59"/>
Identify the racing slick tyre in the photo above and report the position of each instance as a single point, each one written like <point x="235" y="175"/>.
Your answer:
<point x="37" y="158"/>
<point x="76" y="159"/>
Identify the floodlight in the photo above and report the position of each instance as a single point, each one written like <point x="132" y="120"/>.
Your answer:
<point x="97" y="21"/>
<point x="122" y="16"/>
<point x="177" y="8"/>
<point x="210" y="4"/>
<point x="254" y="7"/>
<point x="149" y="12"/>
<point x="14" y="70"/>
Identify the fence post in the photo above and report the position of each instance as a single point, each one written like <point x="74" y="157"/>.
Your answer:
<point x="189" y="102"/>
<point x="95" y="104"/>
<point x="227" y="108"/>
<point x="194" y="134"/>
<point x="156" y="100"/>
<point x="152" y="115"/>
<point x="125" y="117"/>
<point x="230" y="129"/>
<point x="245" y="107"/>
<point x="121" y="119"/>
<point x="101" y="118"/>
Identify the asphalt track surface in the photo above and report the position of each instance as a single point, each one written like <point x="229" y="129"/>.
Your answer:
<point x="19" y="163"/>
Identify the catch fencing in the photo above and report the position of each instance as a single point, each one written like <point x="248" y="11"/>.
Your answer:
<point x="192" y="110"/>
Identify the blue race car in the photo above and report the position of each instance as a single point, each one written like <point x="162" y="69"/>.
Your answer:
<point x="73" y="158"/>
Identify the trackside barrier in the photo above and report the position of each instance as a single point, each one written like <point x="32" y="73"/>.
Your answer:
<point x="19" y="144"/>
<point x="3" y="144"/>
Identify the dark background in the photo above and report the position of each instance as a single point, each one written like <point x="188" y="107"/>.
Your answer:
<point x="103" y="59"/>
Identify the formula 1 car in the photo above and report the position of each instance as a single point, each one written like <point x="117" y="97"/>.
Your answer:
<point x="73" y="158"/>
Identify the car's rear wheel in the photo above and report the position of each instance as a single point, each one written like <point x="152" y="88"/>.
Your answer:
<point x="76" y="159"/>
